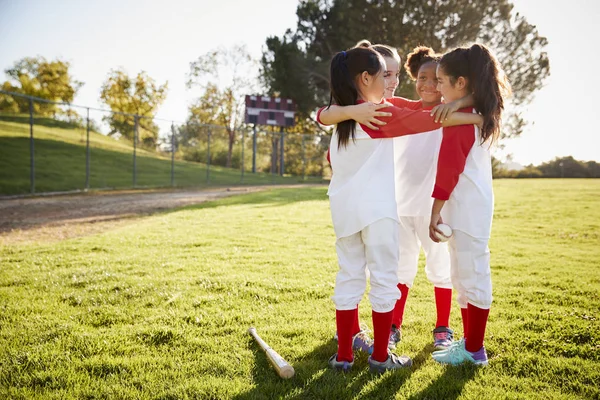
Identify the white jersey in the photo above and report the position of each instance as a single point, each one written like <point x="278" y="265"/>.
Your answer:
<point x="362" y="189"/>
<point x="470" y="207"/>
<point x="415" y="164"/>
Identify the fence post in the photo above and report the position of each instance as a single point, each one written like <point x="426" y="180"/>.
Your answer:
<point x="172" y="153"/>
<point x="208" y="158"/>
<point x="254" y="149"/>
<point x="31" y="150"/>
<point x="243" y="137"/>
<point x="303" y="157"/>
<point x="87" y="152"/>
<point x="135" y="135"/>
<point x="281" y="167"/>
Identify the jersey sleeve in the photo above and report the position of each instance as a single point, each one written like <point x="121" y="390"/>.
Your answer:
<point x="319" y="111"/>
<point x="401" y="102"/>
<point x="403" y="122"/>
<point x="457" y="142"/>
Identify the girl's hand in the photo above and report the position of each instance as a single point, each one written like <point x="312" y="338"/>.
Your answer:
<point x="442" y="111"/>
<point x="436" y="219"/>
<point x="480" y="121"/>
<point x="367" y="113"/>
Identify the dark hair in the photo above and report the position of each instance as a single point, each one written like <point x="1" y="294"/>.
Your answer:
<point x="420" y="56"/>
<point x="345" y="67"/>
<point x="383" y="49"/>
<point x="485" y="79"/>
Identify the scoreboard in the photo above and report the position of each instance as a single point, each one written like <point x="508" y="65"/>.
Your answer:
<point x="267" y="110"/>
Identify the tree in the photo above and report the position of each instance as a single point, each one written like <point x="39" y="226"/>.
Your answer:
<point x="224" y="76"/>
<point x="140" y="96"/>
<point x="36" y="76"/>
<point x="296" y="65"/>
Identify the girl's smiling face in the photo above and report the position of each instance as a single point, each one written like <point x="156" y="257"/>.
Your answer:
<point x="392" y="75"/>
<point x="450" y="91"/>
<point x="426" y="84"/>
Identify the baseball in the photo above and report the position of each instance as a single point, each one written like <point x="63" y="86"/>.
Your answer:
<point x="446" y="230"/>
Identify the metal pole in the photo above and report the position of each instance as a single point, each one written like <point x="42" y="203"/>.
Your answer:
<point x="303" y="157"/>
<point x="281" y="166"/>
<point x="208" y="159"/>
<point x="172" y="154"/>
<point x="135" y="131"/>
<point x="87" y="152"/>
<point x="243" y="137"/>
<point x="31" y="149"/>
<point x="254" y="149"/>
<point x="273" y="152"/>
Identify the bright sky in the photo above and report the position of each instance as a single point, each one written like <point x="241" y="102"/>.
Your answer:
<point x="96" y="36"/>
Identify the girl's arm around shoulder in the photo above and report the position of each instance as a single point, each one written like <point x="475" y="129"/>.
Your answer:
<point x="365" y="113"/>
<point x="401" y="102"/>
<point x="409" y="122"/>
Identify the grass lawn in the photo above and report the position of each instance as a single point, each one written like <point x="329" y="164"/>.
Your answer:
<point x="159" y="309"/>
<point x="60" y="157"/>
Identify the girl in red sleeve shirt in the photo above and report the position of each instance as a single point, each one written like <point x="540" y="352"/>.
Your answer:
<point x="463" y="195"/>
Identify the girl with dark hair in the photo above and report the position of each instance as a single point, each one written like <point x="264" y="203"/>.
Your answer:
<point x="463" y="195"/>
<point x="363" y="205"/>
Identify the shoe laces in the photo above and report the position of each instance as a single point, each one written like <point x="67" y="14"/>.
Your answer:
<point x="442" y="335"/>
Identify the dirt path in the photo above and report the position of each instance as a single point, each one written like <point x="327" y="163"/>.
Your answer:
<point x="62" y="217"/>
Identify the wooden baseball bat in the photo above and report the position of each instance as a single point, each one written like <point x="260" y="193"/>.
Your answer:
<point x="283" y="369"/>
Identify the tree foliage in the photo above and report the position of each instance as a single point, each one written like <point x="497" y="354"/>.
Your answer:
<point x="296" y="64"/>
<point x="224" y="77"/>
<point x="139" y="95"/>
<point x="38" y="77"/>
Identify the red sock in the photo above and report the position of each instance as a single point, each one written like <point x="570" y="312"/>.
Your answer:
<point x="398" y="314"/>
<point x="476" y="330"/>
<point x="443" y="302"/>
<point x="382" y="323"/>
<point x="465" y="321"/>
<point x="356" y="325"/>
<point x="344" y="320"/>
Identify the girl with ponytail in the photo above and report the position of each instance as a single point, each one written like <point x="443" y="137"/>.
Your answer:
<point x="463" y="195"/>
<point x="363" y="205"/>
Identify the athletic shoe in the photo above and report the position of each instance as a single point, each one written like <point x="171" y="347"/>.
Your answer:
<point x="442" y="337"/>
<point x="361" y="341"/>
<point x="453" y="344"/>
<point x="395" y="337"/>
<point x="343" y="366"/>
<point x="393" y="362"/>
<point x="458" y="354"/>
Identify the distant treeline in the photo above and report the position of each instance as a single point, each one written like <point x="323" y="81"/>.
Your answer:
<point x="565" y="167"/>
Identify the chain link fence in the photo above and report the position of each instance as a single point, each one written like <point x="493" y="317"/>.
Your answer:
<point x="48" y="147"/>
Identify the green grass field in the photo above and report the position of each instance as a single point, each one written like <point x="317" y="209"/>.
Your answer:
<point x="60" y="157"/>
<point x="159" y="309"/>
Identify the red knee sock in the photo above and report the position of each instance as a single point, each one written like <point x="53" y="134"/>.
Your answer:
<point x="465" y="321"/>
<point x="398" y="313"/>
<point x="382" y="323"/>
<point x="477" y="319"/>
<point x="356" y="325"/>
<point x="443" y="303"/>
<point x="344" y="320"/>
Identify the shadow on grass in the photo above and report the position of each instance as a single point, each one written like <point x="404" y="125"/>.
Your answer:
<point x="315" y="380"/>
<point x="449" y="385"/>
<point x="269" y="198"/>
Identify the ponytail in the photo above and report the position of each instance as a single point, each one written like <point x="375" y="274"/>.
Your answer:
<point x="489" y="86"/>
<point x="345" y="67"/>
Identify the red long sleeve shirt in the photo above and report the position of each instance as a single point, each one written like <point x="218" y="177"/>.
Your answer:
<point x="457" y="142"/>
<point x="405" y="120"/>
